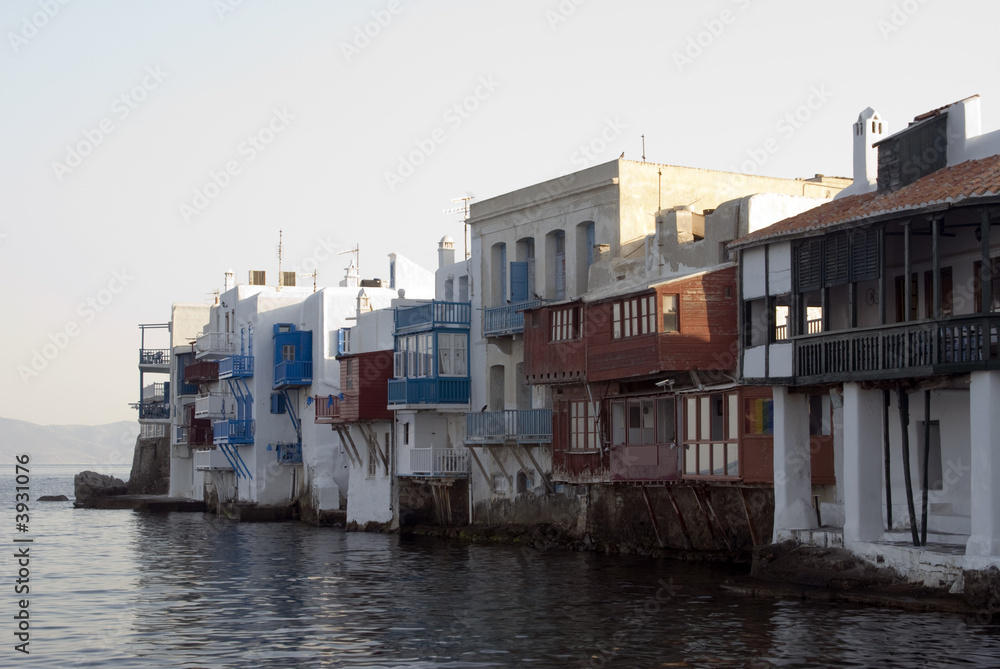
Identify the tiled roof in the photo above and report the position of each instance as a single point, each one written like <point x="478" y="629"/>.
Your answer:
<point x="949" y="185"/>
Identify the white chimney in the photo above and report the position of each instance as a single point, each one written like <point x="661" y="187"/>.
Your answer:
<point x="446" y="252"/>
<point x="230" y="279"/>
<point x="870" y="128"/>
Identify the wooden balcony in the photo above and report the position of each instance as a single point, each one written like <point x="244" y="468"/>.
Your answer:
<point x="497" y="427"/>
<point x="232" y="431"/>
<point x="327" y="409"/>
<point x="903" y="350"/>
<point x="429" y="391"/>
<point x="236" y="367"/>
<point x="507" y="319"/>
<point x="214" y="345"/>
<point x="292" y="373"/>
<point x="439" y="462"/>
<point x="432" y="315"/>
<point x="203" y="371"/>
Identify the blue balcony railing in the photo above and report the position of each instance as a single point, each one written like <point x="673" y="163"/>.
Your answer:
<point x="289" y="454"/>
<point x="430" y="315"/>
<point x="508" y="319"/>
<point x="153" y="410"/>
<point x="429" y="391"/>
<point x="232" y="431"/>
<point x="528" y="425"/>
<point x="236" y="367"/>
<point x="292" y="373"/>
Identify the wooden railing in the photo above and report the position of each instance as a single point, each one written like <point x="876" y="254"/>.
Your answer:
<point x="516" y="425"/>
<point x="439" y="461"/>
<point x="956" y="345"/>
<point x="508" y="319"/>
<point x="327" y="408"/>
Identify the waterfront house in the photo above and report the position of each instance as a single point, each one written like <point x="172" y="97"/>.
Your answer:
<point x="606" y="311"/>
<point x="872" y="317"/>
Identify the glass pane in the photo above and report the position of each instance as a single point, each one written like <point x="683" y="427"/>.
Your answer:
<point x="717" y="418"/>
<point x="690" y="460"/>
<point x="734" y="418"/>
<point x="634" y="423"/>
<point x="665" y="421"/>
<point x="704" y="459"/>
<point x="618" y="423"/>
<point x="732" y="460"/>
<point x="718" y="459"/>
<point x="706" y="418"/>
<point x="692" y="419"/>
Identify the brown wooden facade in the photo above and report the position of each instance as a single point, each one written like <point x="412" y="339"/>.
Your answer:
<point x="364" y="383"/>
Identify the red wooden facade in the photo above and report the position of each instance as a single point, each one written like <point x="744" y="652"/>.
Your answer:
<point x="198" y="431"/>
<point x="700" y="333"/>
<point x="554" y="352"/>
<point x="364" y="382"/>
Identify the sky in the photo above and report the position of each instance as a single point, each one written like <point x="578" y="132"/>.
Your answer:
<point x="147" y="147"/>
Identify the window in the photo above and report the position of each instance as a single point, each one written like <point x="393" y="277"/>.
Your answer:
<point x="406" y="434"/>
<point x="671" y="305"/>
<point x="758" y="417"/>
<point x="452" y="354"/>
<point x="633" y="317"/>
<point x="566" y="323"/>
<point x="583" y="426"/>
<point x="977" y="283"/>
<point x="711" y="445"/>
<point x="643" y="420"/>
<point x="288" y="352"/>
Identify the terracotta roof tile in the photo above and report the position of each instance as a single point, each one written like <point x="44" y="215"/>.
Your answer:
<point x="974" y="178"/>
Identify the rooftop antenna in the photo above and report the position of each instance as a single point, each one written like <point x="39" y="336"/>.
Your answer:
<point x="643" y="148"/>
<point x="313" y="275"/>
<point x="279" y="259"/>
<point x="465" y="217"/>
<point x="357" y="256"/>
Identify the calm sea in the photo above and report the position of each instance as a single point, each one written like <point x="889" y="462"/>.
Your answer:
<point x="125" y="589"/>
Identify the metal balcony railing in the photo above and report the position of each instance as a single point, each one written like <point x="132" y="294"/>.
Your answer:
<point x="154" y="357"/>
<point x="432" y="315"/>
<point x="289" y="373"/>
<point x="439" y="462"/>
<point x="525" y="425"/>
<point x="232" y="431"/>
<point x="289" y="454"/>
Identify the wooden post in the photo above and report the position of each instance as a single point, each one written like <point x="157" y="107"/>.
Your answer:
<point x="680" y="518"/>
<point x="936" y="253"/>
<point x="985" y="268"/>
<point x="927" y="455"/>
<point x="881" y="275"/>
<point x="907" y="264"/>
<point x="746" y="509"/>
<point x="904" y="422"/>
<point x="652" y="516"/>
<point x="886" y="394"/>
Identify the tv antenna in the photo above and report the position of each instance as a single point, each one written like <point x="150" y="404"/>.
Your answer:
<point x="464" y="209"/>
<point x="357" y="258"/>
<point x="279" y="259"/>
<point x="313" y="275"/>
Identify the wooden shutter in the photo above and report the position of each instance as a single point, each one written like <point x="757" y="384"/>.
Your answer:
<point x="837" y="260"/>
<point x="809" y="272"/>
<point x="864" y="255"/>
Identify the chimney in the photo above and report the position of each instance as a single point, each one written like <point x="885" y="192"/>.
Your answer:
<point x="869" y="129"/>
<point x="446" y="252"/>
<point x="230" y="279"/>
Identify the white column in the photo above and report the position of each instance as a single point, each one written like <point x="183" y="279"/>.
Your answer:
<point x="863" y="464"/>
<point x="792" y="470"/>
<point x="984" y="397"/>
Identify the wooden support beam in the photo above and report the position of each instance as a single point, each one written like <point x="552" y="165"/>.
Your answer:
<point x="489" y="449"/>
<point x="545" y="479"/>
<point x="343" y="442"/>
<point x="680" y="518"/>
<point x="347" y="432"/>
<point x="904" y="422"/>
<point x="517" y="457"/>
<point x="652" y="516"/>
<point x="372" y="438"/>
<point x="936" y="274"/>
<point x="722" y="530"/>
<point x="704" y="513"/>
<point x="881" y="275"/>
<point x="907" y="267"/>
<point x="746" y="510"/>
<point x="475" y="457"/>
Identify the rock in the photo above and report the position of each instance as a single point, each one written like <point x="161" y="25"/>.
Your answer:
<point x="53" y="498"/>
<point x="90" y="485"/>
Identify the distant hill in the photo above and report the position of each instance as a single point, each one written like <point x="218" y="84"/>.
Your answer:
<point x="69" y="444"/>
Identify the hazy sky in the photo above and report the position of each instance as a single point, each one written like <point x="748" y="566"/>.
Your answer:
<point x="149" y="146"/>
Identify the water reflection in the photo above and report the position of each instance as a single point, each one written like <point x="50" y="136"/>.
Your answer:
<point x="123" y="589"/>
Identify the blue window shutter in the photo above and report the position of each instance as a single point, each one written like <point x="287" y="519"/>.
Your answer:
<point x="340" y="341"/>
<point x="591" y="241"/>
<point x="518" y="282"/>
